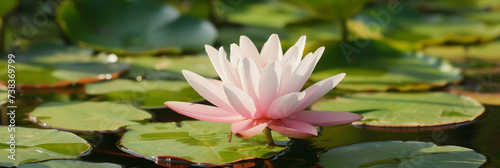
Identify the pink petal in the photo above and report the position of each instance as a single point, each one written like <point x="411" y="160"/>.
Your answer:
<point x="324" y="118"/>
<point x="268" y="85"/>
<point x="213" y="55"/>
<point x="303" y="71"/>
<point x="285" y="105"/>
<point x="208" y="89"/>
<point x="249" y="72"/>
<point x="319" y="89"/>
<point x="293" y="128"/>
<point x="271" y="51"/>
<point x="239" y="100"/>
<point x="248" y="128"/>
<point x="249" y="50"/>
<point x="204" y="112"/>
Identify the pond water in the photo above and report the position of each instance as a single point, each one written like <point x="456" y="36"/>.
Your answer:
<point x="482" y="135"/>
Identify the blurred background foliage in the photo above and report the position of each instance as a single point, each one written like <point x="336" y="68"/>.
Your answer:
<point x="132" y="52"/>
<point x="381" y="44"/>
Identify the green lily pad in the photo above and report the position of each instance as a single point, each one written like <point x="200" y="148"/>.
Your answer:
<point x="62" y="74"/>
<point x="149" y="94"/>
<point x="274" y="14"/>
<point x="33" y="145"/>
<point x="386" y="154"/>
<point x="331" y="10"/>
<point x="414" y="27"/>
<point x="405" y="109"/>
<point x="6" y="6"/>
<point x="79" y="71"/>
<point x="29" y="73"/>
<point x="196" y="141"/>
<point x="378" y="66"/>
<point x="487" y="52"/>
<point x="68" y="163"/>
<point x="155" y="68"/>
<point x="132" y="27"/>
<point x="88" y="116"/>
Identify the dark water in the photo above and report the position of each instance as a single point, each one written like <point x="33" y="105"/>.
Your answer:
<point x="482" y="135"/>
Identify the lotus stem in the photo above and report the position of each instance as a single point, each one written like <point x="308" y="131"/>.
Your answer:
<point x="269" y="137"/>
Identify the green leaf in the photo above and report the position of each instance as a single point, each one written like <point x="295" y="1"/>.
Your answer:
<point x="274" y="14"/>
<point x="377" y="66"/>
<point x="62" y="74"/>
<point x="33" y="145"/>
<point x="80" y="71"/>
<point x="6" y="6"/>
<point x="132" y="27"/>
<point x="154" y="68"/>
<point x="68" y="163"/>
<point x="196" y="141"/>
<point x="412" y="26"/>
<point x="149" y="93"/>
<point x="387" y="154"/>
<point x="405" y="109"/>
<point x="331" y="10"/>
<point x="88" y="116"/>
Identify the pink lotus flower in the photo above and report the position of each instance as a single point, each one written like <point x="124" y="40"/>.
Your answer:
<point x="259" y="90"/>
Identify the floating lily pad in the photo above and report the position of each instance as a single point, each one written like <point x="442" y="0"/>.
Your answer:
<point x="33" y="145"/>
<point x="196" y="141"/>
<point x="149" y="94"/>
<point x="401" y="154"/>
<point x="405" y="109"/>
<point x="378" y="66"/>
<point x="142" y="26"/>
<point x="63" y="74"/>
<point x="490" y="98"/>
<point x="486" y="52"/>
<point x="92" y="71"/>
<point x="409" y="25"/>
<point x="6" y="6"/>
<point x="274" y="14"/>
<point x="68" y="163"/>
<point x="154" y="68"/>
<point x="88" y="116"/>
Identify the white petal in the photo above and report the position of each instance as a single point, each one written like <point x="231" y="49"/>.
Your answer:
<point x="285" y="105"/>
<point x="319" y="89"/>
<point x="213" y="55"/>
<point x="302" y="73"/>
<point x="208" y="89"/>
<point x="249" y="50"/>
<point x="271" y="51"/>
<point x="235" y="55"/>
<point x="228" y="72"/>
<point x="240" y="101"/>
<point x="268" y="85"/>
